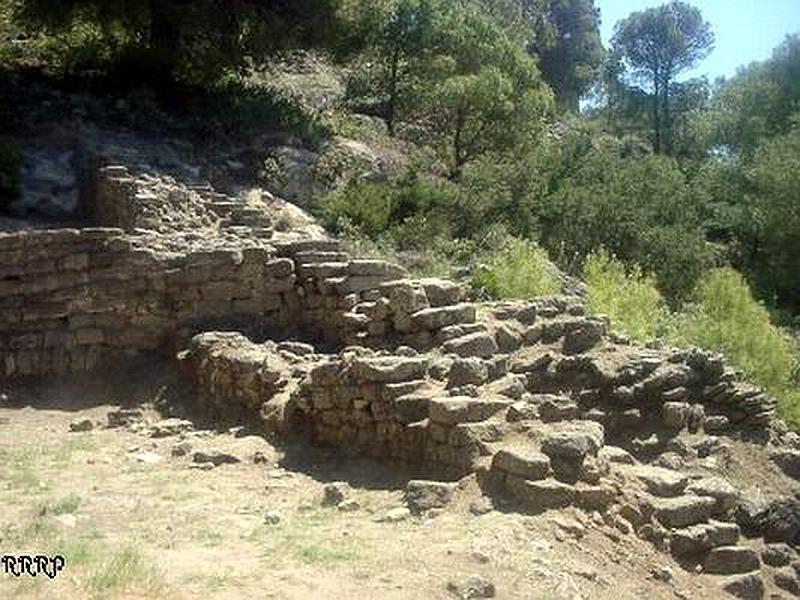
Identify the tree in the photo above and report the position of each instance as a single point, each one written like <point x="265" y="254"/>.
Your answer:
<point x="657" y="45"/>
<point x="488" y="94"/>
<point x="397" y="41"/>
<point x="640" y="209"/>
<point x="569" y="49"/>
<point x="773" y="207"/>
<point x="191" y="40"/>
<point x="759" y="102"/>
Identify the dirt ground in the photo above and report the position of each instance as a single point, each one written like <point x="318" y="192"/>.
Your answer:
<point x="134" y="521"/>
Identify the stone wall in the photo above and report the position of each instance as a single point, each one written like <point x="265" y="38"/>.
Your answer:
<point x="70" y="296"/>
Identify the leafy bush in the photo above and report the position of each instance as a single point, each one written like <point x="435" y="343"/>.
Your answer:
<point x="630" y="298"/>
<point x="724" y="316"/>
<point x="412" y="212"/>
<point x="9" y="172"/>
<point x="640" y="209"/>
<point x="518" y="269"/>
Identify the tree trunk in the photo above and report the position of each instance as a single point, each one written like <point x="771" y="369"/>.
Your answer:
<point x="656" y="114"/>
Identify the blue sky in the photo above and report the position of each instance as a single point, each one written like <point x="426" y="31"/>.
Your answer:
<point x="746" y="30"/>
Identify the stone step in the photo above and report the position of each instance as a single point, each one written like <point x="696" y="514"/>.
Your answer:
<point x="479" y="344"/>
<point x="311" y="257"/>
<point x="664" y="483"/>
<point x="323" y="270"/>
<point x="697" y="540"/>
<point x="438" y="318"/>
<point x="522" y="461"/>
<point x="683" y="511"/>
<point x="731" y="560"/>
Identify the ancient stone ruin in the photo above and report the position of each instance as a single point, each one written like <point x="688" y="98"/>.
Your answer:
<point x="286" y="332"/>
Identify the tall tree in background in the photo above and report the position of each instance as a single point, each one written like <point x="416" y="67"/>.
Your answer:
<point x="657" y="45"/>
<point x="396" y="40"/>
<point x="569" y="48"/>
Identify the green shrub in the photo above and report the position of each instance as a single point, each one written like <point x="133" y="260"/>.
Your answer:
<point x="9" y="172"/>
<point x="518" y="269"/>
<point x="412" y="212"/>
<point x="640" y="209"/>
<point x="630" y="298"/>
<point x="724" y="316"/>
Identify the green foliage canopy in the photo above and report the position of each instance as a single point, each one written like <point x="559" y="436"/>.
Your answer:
<point x="658" y="44"/>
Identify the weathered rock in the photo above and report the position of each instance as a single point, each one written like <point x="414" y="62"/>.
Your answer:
<point x="684" y="510"/>
<point x="389" y="369"/>
<point x="699" y="539"/>
<point x="465" y="371"/>
<point x="522" y="411"/>
<point x="436" y="318"/>
<point x="554" y="408"/>
<point x="574" y="441"/>
<point x="464" y="409"/>
<point x="442" y="292"/>
<point x="511" y="386"/>
<point x="169" y="427"/>
<point x="421" y="495"/>
<point x="594" y="497"/>
<point x="788" y="461"/>
<point x="777" y="522"/>
<point x="82" y="425"/>
<point x="544" y="494"/>
<point x="508" y="339"/>
<point x="718" y="488"/>
<point x="123" y="417"/>
<point x="778" y="555"/>
<point x="786" y="579"/>
<point x="411" y="408"/>
<point x="614" y="454"/>
<point x="660" y="482"/>
<point x="479" y="344"/>
<point x="333" y="494"/>
<point x="584" y="337"/>
<point x="471" y="588"/>
<point x="675" y="414"/>
<point x="522" y="462"/>
<point x="729" y="560"/>
<point x="745" y="587"/>
<point x="215" y="458"/>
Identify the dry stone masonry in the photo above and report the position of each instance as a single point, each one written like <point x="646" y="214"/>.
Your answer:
<point x="542" y="403"/>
